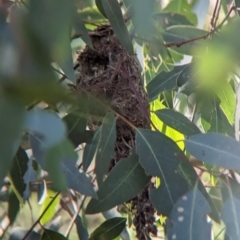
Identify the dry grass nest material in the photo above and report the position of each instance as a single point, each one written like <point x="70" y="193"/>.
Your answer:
<point x="109" y="73"/>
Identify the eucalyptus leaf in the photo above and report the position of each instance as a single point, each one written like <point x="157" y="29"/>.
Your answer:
<point x="228" y="100"/>
<point x="81" y="229"/>
<point x="11" y="127"/>
<point x="48" y="125"/>
<point x="158" y="155"/>
<point x="124" y="182"/>
<point x="76" y="123"/>
<point x="114" y="15"/>
<point x="231" y="218"/>
<point x="81" y="30"/>
<point x="13" y="206"/>
<point x="106" y="146"/>
<point x="177" y="121"/>
<point x="216" y="149"/>
<point x="190" y="213"/>
<point x="110" y="229"/>
<point x="90" y="150"/>
<point x="164" y="81"/>
<point x="51" y="235"/>
<point x="76" y="180"/>
<point x="17" y="172"/>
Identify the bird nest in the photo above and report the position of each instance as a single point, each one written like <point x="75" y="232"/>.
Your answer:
<point x="108" y="72"/>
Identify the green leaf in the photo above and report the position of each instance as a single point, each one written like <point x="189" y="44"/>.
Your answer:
<point x="100" y="7"/>
<point x="76" y="124"/>
<point x="11" y="127"/>
<point x="179" y="34"/>
<point x="81" y="230"/>
<point x="106" y="146"/>
<point x="168" y="19"/>
<point x="48" y="125"/>
<point x="158" y="156"/>
<point x="144" y="27"/>
<point x="114" y="15"/>
<point x="52" y="209"/>
<point x="81" y="30"/>
<point x="228" y="100"/>
<point x="177" y="121"/>
<point x="90" y="150"/>
<point x="182" y="7"/>
<point x="66" y="63"/>
<point x="219" y="122"/>
<point x="109" y="230"/>
<point x="45" y="26"/>
<point x="76" y="180"/>
<point x="164" y="81"/>
<point x="17" y="172"/>
<point x="50" y="92"/>
<point x="169" y="191"/>
<point x="13" y="206"/>
<point x="231" y="218"/>
<point x="54" y="158"/>
<point x="215" y="149"/>
<point x="123" y="183"/>
<point x="188" y="215"/>
<point x="52" y="235"/>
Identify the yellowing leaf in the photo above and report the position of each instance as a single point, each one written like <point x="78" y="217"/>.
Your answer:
<point x="52" y="209"/>
<point x="168" y="131"/>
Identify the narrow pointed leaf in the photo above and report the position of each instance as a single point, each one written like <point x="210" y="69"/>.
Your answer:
<point x="66" y="63"/>
<point x="52" y="235"/>
<point x="17" y="172"/>
<point x="114" y="15"/>
<point x="215" y="149"/>
<point x="177" y="121"/>
<point x="76" y="180"/>
<point x="76" y="124"/>
<point x="90" y="150"/>
<point x="124" y="182"/>
<point x="100" y="7"/>
<point x="190" y="214"/>
<point x="231" y="218"/>
<point x="106" y="146"/>
<point x="11" y="127"/>
<point x="81" y="30"/>
<point x="13" y="206"/>
<point x="49" y="214"/>
<point x="228" y="100"/>
<point x="81" y="230"/>
<point x="164" y="81"/>
<point x="109" y="230"/>
<point x="158" y="156"/>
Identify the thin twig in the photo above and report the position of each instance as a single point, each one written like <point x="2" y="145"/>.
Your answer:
<point x="74" y="217"/>
<point x="213" y="22"/>
<point x="179" y="44"/>
<point x="217" y="14"/>
<point x="43" y="213"/>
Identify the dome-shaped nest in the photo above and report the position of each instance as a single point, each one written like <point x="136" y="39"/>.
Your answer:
<point x="109" y="73"/>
